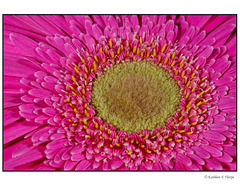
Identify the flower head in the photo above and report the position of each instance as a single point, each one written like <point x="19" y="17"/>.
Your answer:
<point x="129" y="92"/>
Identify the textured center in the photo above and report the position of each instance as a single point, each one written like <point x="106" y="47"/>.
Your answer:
<point x="135" y="96"/>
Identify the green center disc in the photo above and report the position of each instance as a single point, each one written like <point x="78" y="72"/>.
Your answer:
<point x="135" y="95"/>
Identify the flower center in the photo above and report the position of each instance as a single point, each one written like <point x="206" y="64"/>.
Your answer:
<point x="135" y="96"/>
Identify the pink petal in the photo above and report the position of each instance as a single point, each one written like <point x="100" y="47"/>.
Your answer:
<point x="213" y="136"/>
<point x="184" y="159"/>
<point x="83" y="165"/>
<point x="213" y="151"/>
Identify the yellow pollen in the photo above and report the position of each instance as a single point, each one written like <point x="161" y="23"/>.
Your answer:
<point x="66" y="100"/>
<point x="165" y="137"/>
<point x="165" y="148"/>
<point x="178" y="140"/>
<point x="203" y="78"/>
<point x="101" y="127"/>
<point x="74" y="80"/>
<point x="142" y="146"/>
<point x="83" y="91"/>
<point x="207" y="89"/>
<point x="140" y="40"/>
<point x="199" y="103"/>
<point x="85" y="127"/>
<point x="170" y="139"/>
<point x="151" y="40"/>
<point x="166" y="60"/>
<point x="194" y="123"/>
<point x="148" y="53"/>
<point x="130" y="152"/>
<point x="69" y="120"/>
<point x="163" y="48"/>
<point x="94" y="66"/>
<point x="206" y="101"/>
<point x="84" y="62"/>
<point x="204" y="111"/>
<point x="173" y="63"/>
<point x="110" y="43"/>
<point x="85" y="122"/>
<point x="75" y="110"/>
<point x="189" y="132"/>
<point x="138" y="50"/>
<point x="183" y="73"/>
<point x="187" y="94"/>
<point x="86" y="70"/>
<point x="188" y="83"/>
<point x="86" y="113"/>
<point x="87" y="54"/>
<point x="201" y="93"/>
<point x="112" y="54"/>
<point x="126" y="139"/>
<point x="173" y="55"/>
<point x="74" y="124"/>
<point x="87" y="136"/>
<point x="106" y="51"/>
<point x="159" y="58"/>
<point x="193" y="75"/>
<point x="132" y="141"/>
<point x="197" y="67"/>
<point x="193" y="89"/>
<point x="74" y="93"/>
<point x="111" y="146"/>
<point x="74" y="65"/>
<point x="181" y="131"/>
<point x="118" y="144"/>
<point x="154" y="52"/>
<point x="96" y="126"/>
<point x="181" y="63"/>
<point x="190" y="116"/>
<point x="100" y="50"/>
<point x="148" y="151"/>
<point x="176" y="73"/>
<point x="127" y="43"/>
<point x="118" y="51"/>
<point x="71" y="88"/>
<point x="100" y="137"/>
<point x="121" y="48"/>
<point x="180" y="119"/>
<point x="146" y="136"/>
<point x="191" y="62"/>
<point x="75" y="68"/>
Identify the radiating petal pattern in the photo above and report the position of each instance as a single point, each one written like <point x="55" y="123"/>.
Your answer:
<point x="52" y="61"/>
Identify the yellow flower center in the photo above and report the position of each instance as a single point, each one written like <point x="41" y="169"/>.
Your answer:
<point x="135" y="95"/>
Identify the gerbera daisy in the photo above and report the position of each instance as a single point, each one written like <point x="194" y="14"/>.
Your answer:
<point x="119" y="92"/>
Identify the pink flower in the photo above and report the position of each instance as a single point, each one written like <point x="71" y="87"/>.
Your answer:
<point x="51" y="63"/>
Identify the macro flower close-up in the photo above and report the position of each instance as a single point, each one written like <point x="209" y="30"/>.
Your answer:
<point x="119" y="92"/>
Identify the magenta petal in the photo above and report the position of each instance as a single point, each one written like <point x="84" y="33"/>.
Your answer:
<point x="18" y="129"/>
<point x="214" y="136"/>
<point x="213" y="151"/>
<point x="70" y="164"/>
<point x="213" y="164"/>
<point x="201" y="152"/>
<point x="23" y="42"/>
<point x="116" y="164"/>
<point x="197" y="159"/>
<point x="40" y="93"/>
<point x="83" y="165"/>
<point x="184" y="159"/>
<point x="30" y="156"/>
<point x="56" y="144"/>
